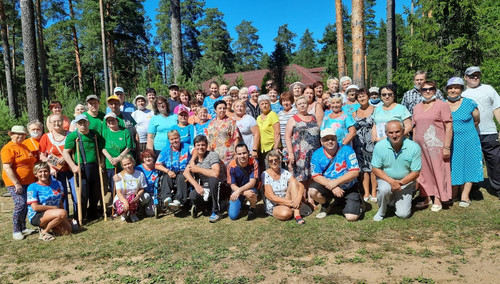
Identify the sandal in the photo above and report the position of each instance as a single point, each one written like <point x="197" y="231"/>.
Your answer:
<point x="299" y="220"/>
<point x="46" y="237"/>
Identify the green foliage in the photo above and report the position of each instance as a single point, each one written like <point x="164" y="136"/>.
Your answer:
<point x="291" y="76"/>
<point x="7" y="121"/>
<point x="277" y="64"/>
<point x="215" y="39"/>
<point x="306" y="55"/>
<point x="285" y="38"/>
<point x="239" y="82"/>
<point x="266" y="78"/>
<point x="247" y="48"/>
<point x="327" y="56"/>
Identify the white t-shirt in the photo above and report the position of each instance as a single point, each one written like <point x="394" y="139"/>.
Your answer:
<point x="130" y="183"/>
<point x="142" y="118"/>
<point x="487" y="100"/>
<point x="245" y="125"/>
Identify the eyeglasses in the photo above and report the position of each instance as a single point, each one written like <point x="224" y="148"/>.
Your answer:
<point x="387" y="94"/>
<point x="269" y="85"/>
<point x="328" y="138"/>
<point x="272" y="161"/>
<point x="423" y="90"/>
<point x="474" y="76"/>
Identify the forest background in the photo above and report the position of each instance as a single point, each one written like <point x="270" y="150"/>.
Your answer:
<point x="53" y="50"/>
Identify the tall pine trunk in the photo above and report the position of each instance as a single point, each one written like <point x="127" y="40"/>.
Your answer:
<point x="391" y="39"/>
<point x="76" y="47"/>
<point x="11" y="96"/>
<point x="175" y="23"/>
<point x="111" y="53"/>
<point x="104" y="57"/>
<point x="358" y="43"/>
<point x="32" y="77"/>
<point x="41" y="51"/>
<point x="340" y="38"/>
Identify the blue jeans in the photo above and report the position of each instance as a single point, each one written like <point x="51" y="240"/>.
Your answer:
<point x="235" y="206"/>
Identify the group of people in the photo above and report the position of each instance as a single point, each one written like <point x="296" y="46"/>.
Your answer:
<point x="312" y="146"/>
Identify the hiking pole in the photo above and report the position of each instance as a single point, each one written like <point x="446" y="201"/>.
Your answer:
<point x="114" y="192"/>
<point x="79" y="187"/>
<point x="101" y="178"/>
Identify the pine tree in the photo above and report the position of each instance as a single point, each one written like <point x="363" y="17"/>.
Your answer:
<point x="358" y="43"/>
<point x="175" y="20"/>
<point x="306" y="55"/>
<point x="277" y="65"/>
<point x="328" y="53"/>
<point x="285" y="38"/>
<point x="247" y="48"/>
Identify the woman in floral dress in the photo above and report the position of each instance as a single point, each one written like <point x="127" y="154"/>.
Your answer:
<point x="222" y="133"/>
<point x="363" y="144"/>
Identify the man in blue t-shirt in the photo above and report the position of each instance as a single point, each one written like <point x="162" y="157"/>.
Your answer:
<point x="396" y="162"/>
<point x="242" y="173"/>
<point x="335" y="170"/>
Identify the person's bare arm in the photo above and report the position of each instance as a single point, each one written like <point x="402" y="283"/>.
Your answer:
<point x="288" y="140"/>
<point x="69" y="159"/>
<point x="350" y="135"/>
<point x="407" y="125"/>
<point x="319" y="114"/>
<point x="256" y="138"/>
<point x="277" y="135"/>
<point x="150" y="142"/>
<point x="12" y="176"/>
<point x="448" y="136"/>
<point x="475" y="116"/>
<point x="269" y="194"/>
<point x="42" y="208"/>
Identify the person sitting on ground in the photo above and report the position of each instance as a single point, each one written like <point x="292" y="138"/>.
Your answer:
<point x="172" y="161"/>
<point x="396" y="162"/>
<point x="130" y="191"/>
<point x="204" y="166"/>
<point x="242" y="174"/>
<point x="283" y="193"/>
<point x="147" y="167"/>
<point x="45" y="205"/>
<point x="335" y="171"/>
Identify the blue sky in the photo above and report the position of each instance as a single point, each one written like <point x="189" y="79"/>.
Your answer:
<point x="268" y="15"/>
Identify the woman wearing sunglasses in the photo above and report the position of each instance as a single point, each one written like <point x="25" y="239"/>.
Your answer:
<point x="390" y="110"/>
<point x="433" y="132"/>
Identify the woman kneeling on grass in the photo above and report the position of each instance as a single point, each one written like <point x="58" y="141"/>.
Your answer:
<point x="45" y="205"/>
<point x="130" y="185"/>
<point x="283" y="193"/>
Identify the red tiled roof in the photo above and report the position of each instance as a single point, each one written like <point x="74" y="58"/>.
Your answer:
<point x="308" y="76"/>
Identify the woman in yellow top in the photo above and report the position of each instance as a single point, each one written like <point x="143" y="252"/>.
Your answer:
<point x="269" y="128"/>
<point x="17" y="174"/>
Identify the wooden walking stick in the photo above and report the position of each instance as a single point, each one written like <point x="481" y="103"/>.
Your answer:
<point x="79" y="187"/>
<point x="100" y="177"/>
<point x="114" y="192"/>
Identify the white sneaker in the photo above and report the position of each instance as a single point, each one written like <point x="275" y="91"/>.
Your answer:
<point x="167" y="201"/>
<point x="321" y="215"/>
<point x="206" y="194"/>
<point x="175" y="203"/>
<point x="27" y="232"/>
<point x="18" y="236"/>
<point x="123" y="218"/>
<point x="134" y="218"/>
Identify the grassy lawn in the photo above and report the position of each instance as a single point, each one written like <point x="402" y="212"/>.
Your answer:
<point x="456" y="245"/>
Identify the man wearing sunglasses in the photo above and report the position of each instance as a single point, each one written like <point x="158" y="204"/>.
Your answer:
<point x="488" y="103"/>
<point x="413" y="97"/>
<point x="335" y="170"/>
